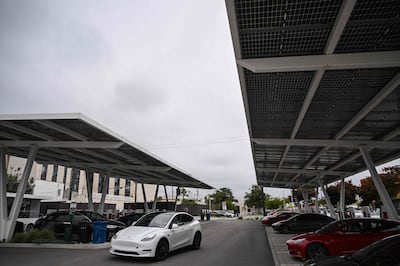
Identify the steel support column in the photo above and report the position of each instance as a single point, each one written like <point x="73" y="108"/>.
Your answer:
<point x="146" y="206"/>
<point x="342" y="198"/>
<point x="316" y="200"/>
<point x="298" y="204"/>
<point x="135" y="192"/>
<point x="155" y="199"/>
<point x="89" y="189"/>
<point x="105" y="181"/>
<point x="327" y="199"/>
<point x="19" y="197"/>
<point x="166" y="195"/>
<point x="380" y="187"/>
<point x="305" y="198"/>
<point x="3" y="193"/>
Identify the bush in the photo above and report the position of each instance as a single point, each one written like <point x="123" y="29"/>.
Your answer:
<point x="30" y="237"/>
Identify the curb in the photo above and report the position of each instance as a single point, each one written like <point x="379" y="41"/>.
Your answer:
<point x="274" y="255"/>
<point x="64" y="246"/>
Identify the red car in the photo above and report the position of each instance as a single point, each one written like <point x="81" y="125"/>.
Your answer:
<point x="278" y="216"/>
<point x="341" y="237"/>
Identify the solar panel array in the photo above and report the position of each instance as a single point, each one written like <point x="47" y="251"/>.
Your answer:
<point x="281" y="105"/>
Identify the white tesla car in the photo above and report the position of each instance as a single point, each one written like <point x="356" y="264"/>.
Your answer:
<point x="156" y="234"/>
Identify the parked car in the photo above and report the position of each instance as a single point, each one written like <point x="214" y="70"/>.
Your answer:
<point x="341" y="237"/>
<point x="156" y="234"/>
<point x="383" y="252"/>
<point x="58" y="222"/>
<point x="130" y="218"/>
<point x="304" y="222"/>
<point x="28" y="218"/>
<point x="278" y="216"/>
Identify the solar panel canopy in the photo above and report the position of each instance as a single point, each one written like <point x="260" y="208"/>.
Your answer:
<point x="75" y="141"/>
<point x="320" y="82"/>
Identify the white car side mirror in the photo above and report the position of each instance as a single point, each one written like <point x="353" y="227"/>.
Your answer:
<point x="174" y="226"/>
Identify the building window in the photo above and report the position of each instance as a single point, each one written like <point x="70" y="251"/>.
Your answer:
<point x="44" y="172"/>
<point x="101" y="180"/>
<point x="55" y="172"/>
<point x="75" y="179"/>
<point x="65" y="175"/>
<point x="128" y="188"/>
<point x="116" y="186"/>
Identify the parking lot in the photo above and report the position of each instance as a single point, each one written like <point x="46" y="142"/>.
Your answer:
<point x="279" y="249"/>
<point x="225" y="242"/>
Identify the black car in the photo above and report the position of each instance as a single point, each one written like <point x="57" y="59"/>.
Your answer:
<point x="129" y="219"/>
<point x="384" y="252"/>
<point x="304" y="222"/>
<point x="80" y="222"/>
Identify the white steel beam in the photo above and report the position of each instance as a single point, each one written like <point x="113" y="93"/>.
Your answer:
<point x="306" y="104"/>
<point x="19" y="197"/>
<point x="303" y="171"/>
<point x="389" y="87"/>
<point x="393" y="84"/>
<point x="63" y="144"/>
<point x="105" y="184"/>
<point x="342" y="198"/>
<point x="166" y="194"/>
<point x="146" y="206"/>
<point x="340" y="23"/>
<point x="154" y="207"/>
<point x="305" y="198"/>
<point x="380" y="187"/>
<point x="327" y="143"/>
<point x="61" y="129"/>
<point x="322" y="62"/>
<point x="89" y="188"/>
<point x="316" y="200"/>
<point x="3" y="194"/>
<point x="83" y="165"/>
<point x="327" y="199"/>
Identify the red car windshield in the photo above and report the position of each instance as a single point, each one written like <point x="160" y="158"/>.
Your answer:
<point x="329" y="227"/>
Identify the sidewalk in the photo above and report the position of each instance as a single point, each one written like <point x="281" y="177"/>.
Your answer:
<point x="66" y="246"/>
<point x="279" y="249"/>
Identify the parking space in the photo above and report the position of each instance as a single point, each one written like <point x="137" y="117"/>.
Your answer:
<point x="279" y="251"/>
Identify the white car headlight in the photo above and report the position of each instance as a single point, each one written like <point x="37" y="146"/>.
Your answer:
<point x="299" y="241"/>
<point x="115" y="236"/>
<point x="149" y="238"/>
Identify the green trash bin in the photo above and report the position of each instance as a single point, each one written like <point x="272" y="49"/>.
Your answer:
<point x="68" y="234"/>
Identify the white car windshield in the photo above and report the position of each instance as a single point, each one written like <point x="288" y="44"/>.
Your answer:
<point x="155" y="219"/>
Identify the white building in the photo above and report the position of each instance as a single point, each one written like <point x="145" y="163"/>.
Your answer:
<point x="56" y="182"/>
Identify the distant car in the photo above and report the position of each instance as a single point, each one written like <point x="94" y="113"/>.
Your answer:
<point x="341" y="237"/>
<point x="304" y="222"/>
<point x="156" y="234"/>
<point x="383" y="252"/>
<point x="129" y="219"/>
<point x="278" y="216"/>
<point x="58" y="222"/>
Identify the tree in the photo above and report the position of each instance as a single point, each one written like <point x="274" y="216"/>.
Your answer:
<point x="391" y="181"/>
<point x="223" y="194"/>
<point x="274" y="203"/>
<point x="350" y="192"/>
<point x="13" y="180"/>
<point x="255" y="197"/>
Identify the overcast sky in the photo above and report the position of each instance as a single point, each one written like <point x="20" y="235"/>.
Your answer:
<point x="161" y="74"/>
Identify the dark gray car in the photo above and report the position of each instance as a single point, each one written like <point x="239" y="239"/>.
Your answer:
<point x="304" y="222"/>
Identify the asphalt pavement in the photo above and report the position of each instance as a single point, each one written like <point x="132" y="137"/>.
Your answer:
<point x="226" y="241"/>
